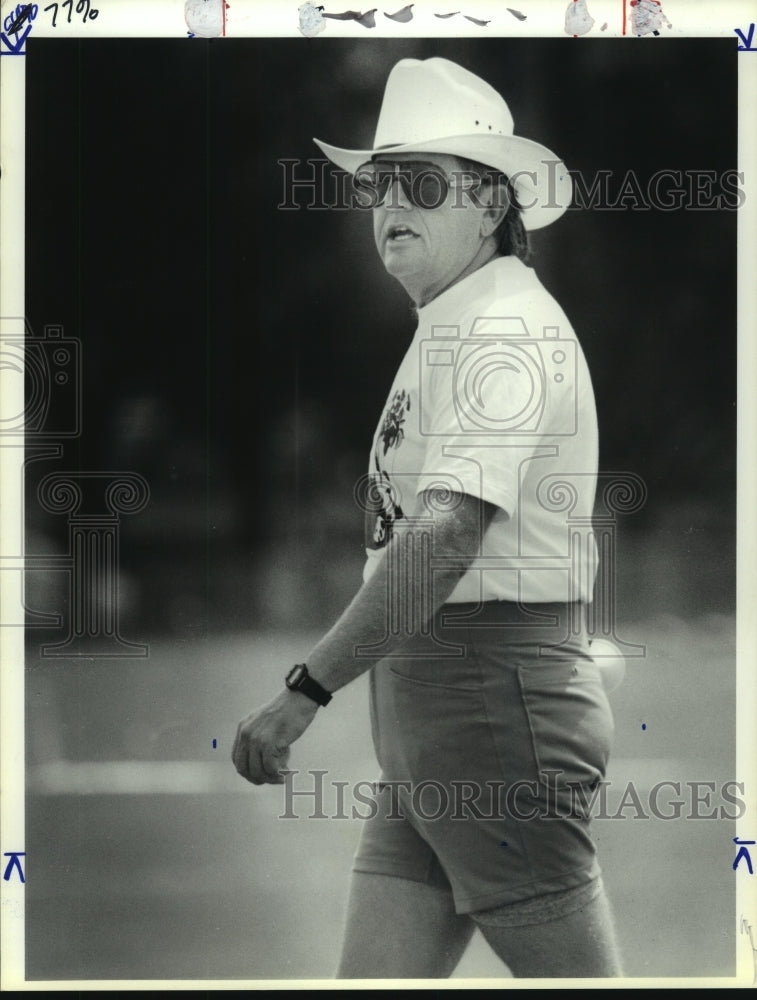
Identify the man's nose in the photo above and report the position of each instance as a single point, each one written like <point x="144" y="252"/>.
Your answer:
<point x="396" y="197"/>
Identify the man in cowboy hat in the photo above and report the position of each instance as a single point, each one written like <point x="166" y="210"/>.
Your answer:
<point x="489" y="718"/>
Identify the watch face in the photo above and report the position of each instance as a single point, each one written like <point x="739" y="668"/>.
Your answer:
<point x="295" y="675"/>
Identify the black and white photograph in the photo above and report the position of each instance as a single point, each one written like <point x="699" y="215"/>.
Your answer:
<point x="377" y="466"/>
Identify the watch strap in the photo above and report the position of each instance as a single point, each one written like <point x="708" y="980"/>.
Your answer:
<point x="298" y="679"/>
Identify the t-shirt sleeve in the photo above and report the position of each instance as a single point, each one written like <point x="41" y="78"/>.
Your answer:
<point x="484" y="413"/>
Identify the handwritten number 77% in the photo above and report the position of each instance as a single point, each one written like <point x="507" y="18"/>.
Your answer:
<point x="82" y="7"/>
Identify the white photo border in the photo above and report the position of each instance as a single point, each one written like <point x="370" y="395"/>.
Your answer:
<point x="244" y="18"/>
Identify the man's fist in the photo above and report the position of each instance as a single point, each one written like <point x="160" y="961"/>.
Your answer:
<point x="261" y="747"/>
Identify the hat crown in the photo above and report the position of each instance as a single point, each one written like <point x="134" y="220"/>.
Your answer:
<point x="435" y="106"/>
<point x="435" y="98"/>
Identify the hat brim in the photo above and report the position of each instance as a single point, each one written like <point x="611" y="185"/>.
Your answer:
<point x="542" y="181"/>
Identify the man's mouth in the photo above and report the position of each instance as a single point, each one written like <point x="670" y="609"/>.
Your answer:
<point x="400" y="234"/>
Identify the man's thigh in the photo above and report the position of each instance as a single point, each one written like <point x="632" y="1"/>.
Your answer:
<point x="398" y="928"/>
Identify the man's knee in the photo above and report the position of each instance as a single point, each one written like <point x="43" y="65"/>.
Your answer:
<point x="540" y="909"/>
<point x="568" y="934"/>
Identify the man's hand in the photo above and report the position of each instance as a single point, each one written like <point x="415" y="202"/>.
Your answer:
<point x="261" y="747"/>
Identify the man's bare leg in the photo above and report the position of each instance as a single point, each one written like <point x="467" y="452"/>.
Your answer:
<point x="579" y="945"/>
<point x="399" y="929"/>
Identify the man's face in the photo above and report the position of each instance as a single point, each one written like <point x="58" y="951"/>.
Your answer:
<point x="428" y="249"/>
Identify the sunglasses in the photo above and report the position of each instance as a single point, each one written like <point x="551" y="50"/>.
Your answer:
<point x="423" y="184"/>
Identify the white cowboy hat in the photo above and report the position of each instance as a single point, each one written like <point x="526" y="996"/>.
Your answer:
<point x="436" y="106"/>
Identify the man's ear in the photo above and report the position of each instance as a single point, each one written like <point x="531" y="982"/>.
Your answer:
<point x="494" y="204"/>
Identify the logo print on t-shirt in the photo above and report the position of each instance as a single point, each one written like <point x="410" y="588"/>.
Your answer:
<point x="384" y="511"/>
<point x="380" y="518"/>
<point x="391" y="430"/>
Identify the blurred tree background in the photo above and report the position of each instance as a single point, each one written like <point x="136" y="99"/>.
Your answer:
<point x="238" y="355"/>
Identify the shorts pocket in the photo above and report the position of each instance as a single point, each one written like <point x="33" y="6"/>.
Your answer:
<point x="569" y="718"/>
<point x="428" y="730"/>
<point x="451" y="673"/>
<point x="431" y="680"/>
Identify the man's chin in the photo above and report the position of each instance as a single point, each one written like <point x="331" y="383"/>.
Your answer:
<point x="406" y="278"/>
<point x="400" y="264"/>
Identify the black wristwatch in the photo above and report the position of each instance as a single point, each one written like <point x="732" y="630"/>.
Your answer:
<point x="298" y="679"/>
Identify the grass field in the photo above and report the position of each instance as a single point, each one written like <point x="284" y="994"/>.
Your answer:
<point x="131" y="877"/>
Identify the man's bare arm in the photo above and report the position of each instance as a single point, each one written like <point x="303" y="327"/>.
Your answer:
<point x="453" y="530"/>
<point x="453" y="526"/>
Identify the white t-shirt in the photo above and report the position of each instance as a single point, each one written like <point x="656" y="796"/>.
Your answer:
<point x="494" y="399"/>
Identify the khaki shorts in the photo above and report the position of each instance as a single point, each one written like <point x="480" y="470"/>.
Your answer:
<point x="491" y="733"/>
